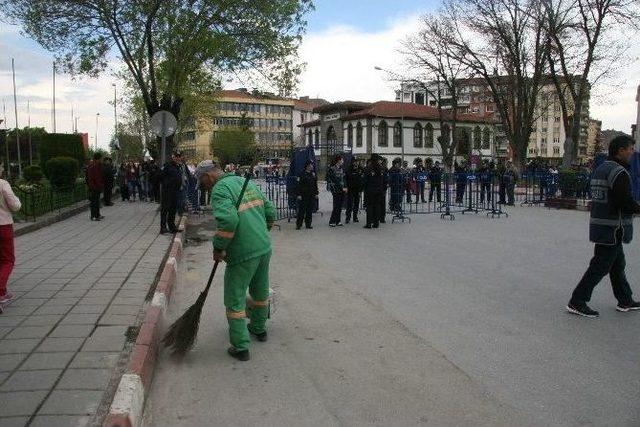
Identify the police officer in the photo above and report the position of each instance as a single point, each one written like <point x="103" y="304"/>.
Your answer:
<point x="355" y="181"/>
<point x="307" y="195"/>
<point x="486" y="174"/>
<point x="171" y="182"/>
<point x="435" y="179"/>
<point x="610" y="226"/>
<point x="509" y="179"/>
<point x="382" y="209"/>
<point x="396" y="183"/>
<point x="374" y="189"/>
<point x="461" y="180"/>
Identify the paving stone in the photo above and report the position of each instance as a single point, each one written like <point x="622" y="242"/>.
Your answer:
<point x="61" y="421"/>
<point x="119" y="319"/>
<point x="29" y="332"/>
<point x="88" y="309"/>
<point x="64" y="301"/>
<point x="84" y="379"/>
<point x="37" y="293"/>
<point x="11" y="311"/>
<point x="72" y="331"/>
<point x="8" y="362"/>
<point x="123" y="309"/>
<point x="47" y="361"/>
<point x="107" y="286"/>
<point x="109" y="343"/>
<point x="43" y="320"/>
<point x="60" y="344"/>
<point x="31" y="380"/>
<point x="94" y="300"/>
<point x="66" y="402"/>
<point x="5" y="330"/>
<point x="110" y="331"/>
<point x="29" y="302"/>
<point x="92" y="359"/>
<point x="11" y="321"/>
<point x="137" y="294"/>
<point x="13" y="421"/>
<point x="20" y="403"/>
<point x="53" y="309"/>
<point x="67" y="294"/>
<point x="18" y="346"/>
<point x="79" y="319"/>
<point x="128" y="301"/>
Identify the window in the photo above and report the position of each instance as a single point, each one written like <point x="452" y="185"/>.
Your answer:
<point x="428" y="137"/>
<point x="316" y="139"/>
<point x="350" y="136"/>
<point x="419" y="98"/>
<point x="331" y="135"/>
<point x="309" y="137"/>
<point x="556" y="119"/>
<point x="477" y="138"/>
<point x="556" y="150"/>
<point x="383" y="134"/>
<point x="556" y="140"/>
<point x="397" y="134"/>
<point x="486" y="139"/>
<point x="359" y="135"/>
<point x="417" y="135"/>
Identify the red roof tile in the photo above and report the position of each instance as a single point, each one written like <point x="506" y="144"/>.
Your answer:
<point x="412" y="111"/>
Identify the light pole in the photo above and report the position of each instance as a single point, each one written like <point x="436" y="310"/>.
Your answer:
<point x="15" y="105"/>
<point x="54" y="97"/>
<point x="115" y="122"/>
<point x="402" y="81"/>
<point x="96" y="138"/>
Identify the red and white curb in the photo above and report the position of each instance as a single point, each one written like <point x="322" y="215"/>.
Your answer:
<point x="128" y="403"/>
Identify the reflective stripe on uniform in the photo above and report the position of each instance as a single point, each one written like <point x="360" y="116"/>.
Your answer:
<point x="236" y="314"/>
<point x="259" y="303"/>
<point x="225" y="234"/>
<point x="250" y="205"/>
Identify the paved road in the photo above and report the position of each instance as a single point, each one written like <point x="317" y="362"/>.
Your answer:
<point x="80" y="285"/>
<point x="438" y="322"/>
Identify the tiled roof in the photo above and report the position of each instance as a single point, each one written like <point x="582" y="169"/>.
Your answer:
<point x="412" y="111"/>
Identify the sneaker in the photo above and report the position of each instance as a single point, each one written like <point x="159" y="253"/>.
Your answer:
<point x="632" y="306"/>
<point x="332" y="225"/>
<point x="582" y="310"/>
<point x="340" y="224"/>
<point x="241" y="355"/>
<point x="6" y="298"/>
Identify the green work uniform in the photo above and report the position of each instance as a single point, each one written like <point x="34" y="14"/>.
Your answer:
<point x="243" y="232"/>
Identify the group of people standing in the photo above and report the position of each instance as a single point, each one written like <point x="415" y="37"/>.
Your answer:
<point x="141" y="179"/>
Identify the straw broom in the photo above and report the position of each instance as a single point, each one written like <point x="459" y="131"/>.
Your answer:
<point x="181" y="336"/>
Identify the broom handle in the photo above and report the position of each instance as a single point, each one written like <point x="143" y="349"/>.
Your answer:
<point x="215" y="265"/>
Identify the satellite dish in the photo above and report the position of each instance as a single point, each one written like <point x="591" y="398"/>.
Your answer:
<point x="164" y="124"/>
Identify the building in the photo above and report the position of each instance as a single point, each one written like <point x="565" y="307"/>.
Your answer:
<point x="303" y="113"/>
<point x="394" y="129"/>
<point x="608" y="135"/>
<point x="476" y="98"/>
<point x="636" y="129"/>
<point x="594" y="138"/>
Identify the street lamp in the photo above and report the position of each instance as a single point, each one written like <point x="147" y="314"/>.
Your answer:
<point x="115" y="122"/>
<point x="96" y="138"/>
<point x="402" y="82"/>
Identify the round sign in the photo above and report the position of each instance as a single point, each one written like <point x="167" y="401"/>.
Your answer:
<point x="163" y="123"/>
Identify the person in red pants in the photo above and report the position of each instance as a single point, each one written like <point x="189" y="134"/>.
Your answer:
<point x="8" y="203"/>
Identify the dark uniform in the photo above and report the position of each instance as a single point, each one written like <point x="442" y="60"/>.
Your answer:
<point x="396" y="184"/>
<point x="382" y="209"/>
<point x="307" y="194"/>
<point x="171" y="181"/>
<point x="610" y="226"/>
<point x="435" y="179"/>
<point x="461" y="182"/>
<point x="109" y="179"/>
<point x="486" y="176"/>
<point x="355" y="182"/>
<point x="374" y="188"/>
<point x="509" y="179"/>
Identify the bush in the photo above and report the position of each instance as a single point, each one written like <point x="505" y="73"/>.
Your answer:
<point x="568" y="182"/>
<point x="60" y="145"/>
<point x="62" y="172"/>
<point x="33" y="174"/>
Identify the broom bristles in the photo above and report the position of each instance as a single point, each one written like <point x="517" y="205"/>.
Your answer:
<point x="182" y="334"/>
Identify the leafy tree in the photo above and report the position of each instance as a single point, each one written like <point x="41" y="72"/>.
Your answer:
<point x="234" y="145"/>
<point x="163" y="43"/>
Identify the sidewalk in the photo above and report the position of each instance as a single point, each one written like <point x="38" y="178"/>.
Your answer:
<point x="80" y="287"/>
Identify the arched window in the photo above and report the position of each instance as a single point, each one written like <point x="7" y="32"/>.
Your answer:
<point x="397" y="134"/>
<point x="350" y="136"/>
<point x="463" y="141"/>
<point x="428" y="137"/>
<point x="359" y="135"/>
<point x="316" y="139"/>
<point x="477" y="137"/>
<point x="383" y="134"/>
<point x="310" y="137"/>
<point x="486" y="139"/>
<point x="417" y="135"/>
<point x="331" y="135"/>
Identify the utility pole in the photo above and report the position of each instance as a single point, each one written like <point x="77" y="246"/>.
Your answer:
<point x="54" y="97"/>
<point x="29" y="126"/>
<point x="15" y="105"/>
<point x="96" y="139"/>
<point x="6" y="141"/>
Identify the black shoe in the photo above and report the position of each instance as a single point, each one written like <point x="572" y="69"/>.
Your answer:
<point x="346" y="222"/>
<point x="383" y="222"/>
<point x="355" y="220"/>
<point x="298" y="227"/>
<point x="241" y="355"/>
<point x="632" y="306"/>
<point x="309" y="227"/>
<point x="262" y="337"/>
<point x="582" y="310"/>
<point x="376" y="225"/>
<point x="368" y="226"/>
<point x="163" y="231"/>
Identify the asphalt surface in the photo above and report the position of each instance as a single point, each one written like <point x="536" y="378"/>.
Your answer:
<point x="434" y="322"/>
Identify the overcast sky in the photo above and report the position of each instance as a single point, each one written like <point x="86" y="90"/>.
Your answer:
<point x="345" y="40"/>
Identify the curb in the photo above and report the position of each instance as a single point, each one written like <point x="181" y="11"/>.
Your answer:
<point x="127" y="407"/>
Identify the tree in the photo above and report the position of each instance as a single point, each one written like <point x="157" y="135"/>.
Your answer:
<point x="583" y="46"/>
<point x="163" y="43"/>
<point x="502" y="41"/>
<point x="234" y="145"/>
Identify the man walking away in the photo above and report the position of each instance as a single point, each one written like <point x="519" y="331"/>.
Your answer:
<point x="307" y="195"/>
<point x="95" y="182"/>
<point x="435" y="179"/>
<point x="337" y="188"/>
<point x="355" y="181"/>
<point x="374" y="192"/>
<point x="610" y="226"/>
<point x="171" y="180"/>
<point x="242" y="240"/>
<point x="109" y="180"/>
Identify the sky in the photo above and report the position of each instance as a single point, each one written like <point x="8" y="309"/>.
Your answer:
<point x="345" y="40"/>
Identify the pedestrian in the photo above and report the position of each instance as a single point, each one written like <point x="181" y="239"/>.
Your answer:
<point x="95" y="182"/>
<point x="184" y="185"/>
<point x="132" y="180"/>
<point x="9" y="204"/>
<point x="486" y="175"/>
<point x="154" y="182"/>
<point x="553" y="181"/>
<point x="355" y="182"/>
<point x="242" y="240"/>
<point x="406" y="177"/>
<point x="171" y="180"/>
<point x="421" y="177"/>
<point x="610" y="226"/>
<point x="337" y="187"/>
<point x="435" y="181"/>
<point x="374" y="191"/>
<point x="502" y="199"/>
<point x="382" y="209"/>
<point x="460" y="172"/>
<point x="109" y="179"/>
<point x="509" y="179"/>
<point x="396" y="185"/>
<point x="122" y="182"/>
<point x="307" y="190"/>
